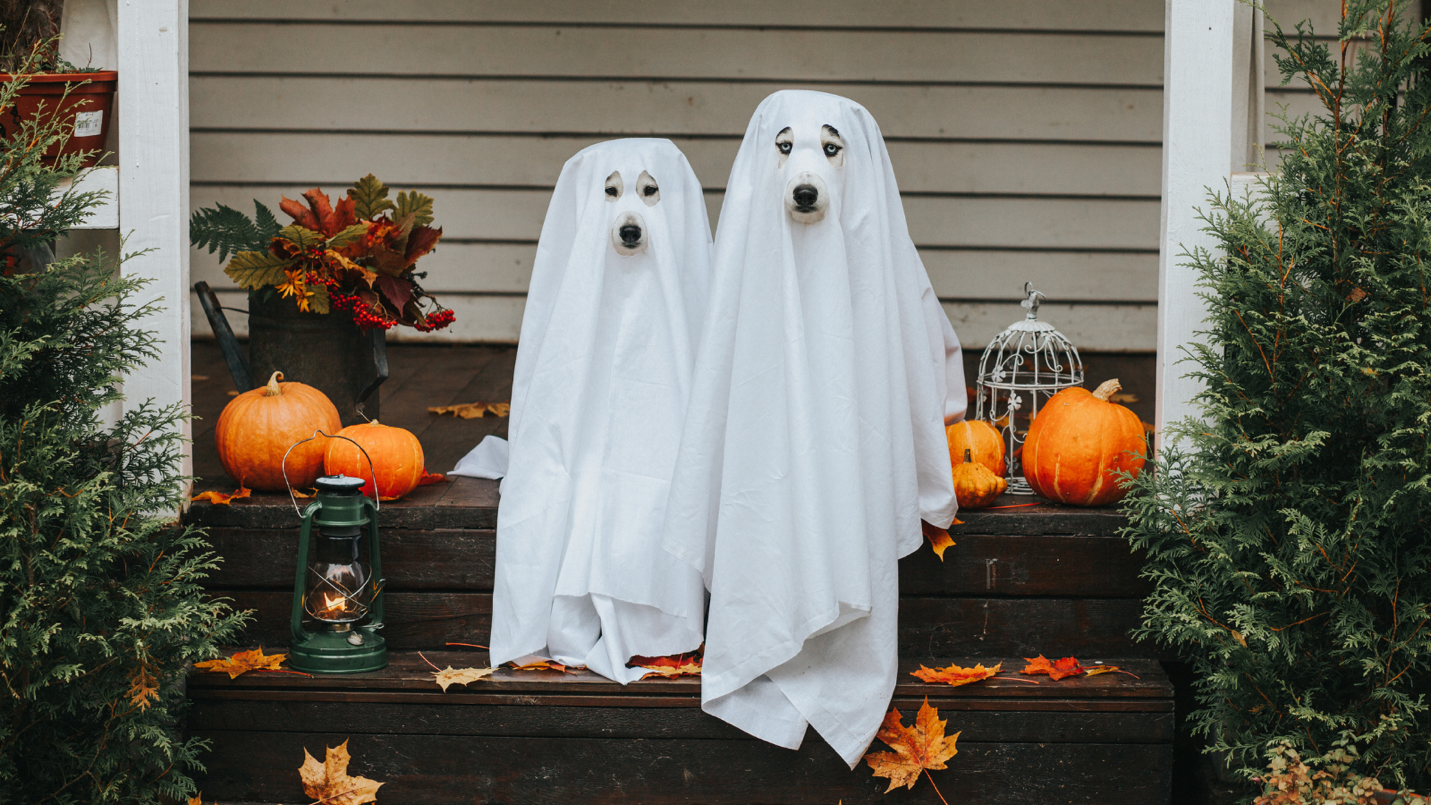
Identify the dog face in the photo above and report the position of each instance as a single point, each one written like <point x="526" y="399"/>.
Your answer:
<point x="629" y="234"/>
<point x="810" y="160"/>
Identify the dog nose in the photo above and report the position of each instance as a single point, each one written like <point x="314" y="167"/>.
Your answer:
<point x="630" y="234"/>
<point x="806" y="195"/>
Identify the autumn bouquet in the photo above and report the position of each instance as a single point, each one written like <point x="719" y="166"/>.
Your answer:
<point x="357" y="256"/>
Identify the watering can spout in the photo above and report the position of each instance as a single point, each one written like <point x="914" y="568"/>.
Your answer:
<point x="224" y="334"/>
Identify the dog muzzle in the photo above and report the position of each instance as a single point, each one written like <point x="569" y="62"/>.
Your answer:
<point x="807" y="199"/>
<point x="628" y="234"/>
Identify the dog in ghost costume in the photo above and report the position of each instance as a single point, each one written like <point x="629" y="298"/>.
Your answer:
<point x="814" y="442"/>
<point x="602" y="377"/>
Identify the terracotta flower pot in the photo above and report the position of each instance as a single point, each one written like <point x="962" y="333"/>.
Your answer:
<point x="87" y="109"/>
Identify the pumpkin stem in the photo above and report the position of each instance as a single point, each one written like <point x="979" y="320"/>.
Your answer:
<point x="968" y="457"/>
<point x="273" y="390"/>
<point x="1107" y="389"/>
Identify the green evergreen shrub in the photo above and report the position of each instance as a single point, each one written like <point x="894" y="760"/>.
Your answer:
<point x="100" y="605"/>
<point x="1287" y="529"/>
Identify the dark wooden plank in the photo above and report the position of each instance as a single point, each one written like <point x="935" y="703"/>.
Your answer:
<point x="436" y="770"/>
<point x="410" y="671"/>
<point x="980" y="564"/>
<point x="420" y="509"/>
<point x="450" y="437"/>
<point x="378" y="713"/>
<point x="928" y="627"/>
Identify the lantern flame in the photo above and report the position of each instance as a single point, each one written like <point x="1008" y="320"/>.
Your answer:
<point x="334" y="607"/>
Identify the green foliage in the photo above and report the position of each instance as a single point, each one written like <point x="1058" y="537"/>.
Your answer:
<point x="370" y="197"/>
<point x="100" y="605"/>
<point x="228" y="231"/>
<point x="1287" y="528"/>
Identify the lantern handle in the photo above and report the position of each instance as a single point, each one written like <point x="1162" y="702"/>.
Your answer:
<point x="1031" y="304"/>
<point x="372" y="472"/>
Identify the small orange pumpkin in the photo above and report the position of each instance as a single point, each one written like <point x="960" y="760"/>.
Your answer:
<point x="396" y="454"/>
<point x="981" y="440"/>
<point x="1078" y="444"/>
<point x="257" y="427"/>
<point x="975" y="485"/>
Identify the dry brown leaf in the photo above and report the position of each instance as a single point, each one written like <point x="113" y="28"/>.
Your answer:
<point x="221" y="499"/>
<point x="460" y="676"/>
<point x="143" y="688"/>
<point x="475" y="410"/>
<point x="329" y="782"/>
<point x="242" y="662"/>
<point x="955" y="676"/>
<point x="915" y="750"/>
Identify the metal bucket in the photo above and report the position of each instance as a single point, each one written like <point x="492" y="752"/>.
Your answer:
<point x="327" y="352"/>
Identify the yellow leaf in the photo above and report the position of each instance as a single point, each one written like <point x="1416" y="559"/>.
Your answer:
<point x="939" y="539"/>
<point x="461" y="676"/>
<point x="242" y="662"/>
<point x="329" y="782"/>
<point x="143" y="688"/>
<point x="473" y="410"/>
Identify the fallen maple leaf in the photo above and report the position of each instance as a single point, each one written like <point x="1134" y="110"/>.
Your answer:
<point x="544" y="665"/>
<point x="329" y="783"/>
<point x="668" y="667"/>
<point x="915" y="750"/>
<point x="955" y="675"/>
<point x="473" y="410"/>
<point x="460" y="676"/>
<point x="142" y="688"/>
<point x="1068" y="666"/>
<point x="938" y="538"/>
<point x="242" y="662"/>
<point x="431" y="478"/>
<point x="221" y="499"/>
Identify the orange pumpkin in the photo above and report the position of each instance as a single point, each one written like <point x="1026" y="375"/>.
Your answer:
<point x="1078" y="444"/>
<point x="258" y="426"/>
<point x="979" y="439"/>
<point x="396" y="454"/>
<point x="975" y="486"/>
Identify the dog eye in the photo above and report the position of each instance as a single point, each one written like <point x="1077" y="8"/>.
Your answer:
<point x="611" y="191"/>
<point x="784" y="147"/>
<point x="831" y="149"/>
<point x="652" y="190"/>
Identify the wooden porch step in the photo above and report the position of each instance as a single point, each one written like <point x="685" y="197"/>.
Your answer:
<point x="538" y="737"/>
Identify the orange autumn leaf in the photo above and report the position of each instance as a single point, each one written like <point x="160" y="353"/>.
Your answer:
<point x="431" y="478"/>
<point x="955" y="676"/>
<point x="669" y="667"/>
<point x="143" y="688"/>
<point x="474" y="410"/>
<point x="221" y="499"/>
<point x="543" y="665"/>
<point x="916" y="750"/>
<point x="1068" y="666"/>
<point x="938" y="538"/>
<point x="242" y="662"/>
<point x="329" y="782"/>
<point x="1095" y="670"/>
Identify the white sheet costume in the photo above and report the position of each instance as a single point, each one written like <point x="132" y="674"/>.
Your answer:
<point x="815" y="441"/>
<point x="602" y="377"/>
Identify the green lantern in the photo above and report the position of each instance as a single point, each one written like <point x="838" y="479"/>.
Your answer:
<point x="337" y="588"/>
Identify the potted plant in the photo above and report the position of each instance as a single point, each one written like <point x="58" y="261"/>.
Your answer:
<point x="324" y="289"/>
<point x="50" y="86"/>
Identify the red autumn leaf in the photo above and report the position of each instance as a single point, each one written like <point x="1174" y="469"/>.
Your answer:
<point x="422" y="240"/>
<point x="955" y="675"/>
<point x="1068" y="666"/>
<point x="397" y="290"/>
<point x="670" y="667"/>
<point x="431" y="478"/>
<point x="916" y="750"/>
<point x="320" y="215"/>
<point x="222" y="499"/>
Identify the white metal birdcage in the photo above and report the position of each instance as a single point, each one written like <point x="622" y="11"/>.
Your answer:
<point x="1020" y="369"/>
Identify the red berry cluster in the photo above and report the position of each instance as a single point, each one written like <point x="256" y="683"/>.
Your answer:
<point x="365" y="317"/>
<point x="435" y="320"/>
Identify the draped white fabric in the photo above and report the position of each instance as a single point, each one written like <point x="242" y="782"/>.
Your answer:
<point x="602" y="377"/>
<point x="814" y="441"/>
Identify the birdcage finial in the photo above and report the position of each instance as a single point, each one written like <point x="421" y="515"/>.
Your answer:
<point x="1031" y="304"/>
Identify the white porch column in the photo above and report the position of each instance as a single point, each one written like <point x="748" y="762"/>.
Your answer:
<point x="1212" y="123"/>
<point x="153" y="117"/>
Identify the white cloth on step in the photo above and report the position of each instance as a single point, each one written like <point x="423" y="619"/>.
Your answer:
<point x="602" y="377"/>
<point x="814" y="441"/>
<point x="488" y="459"/>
